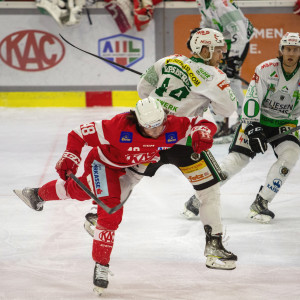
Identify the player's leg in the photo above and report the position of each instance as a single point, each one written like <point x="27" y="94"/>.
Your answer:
<point x="287" y="153"/>
<point x="207" y="190"/>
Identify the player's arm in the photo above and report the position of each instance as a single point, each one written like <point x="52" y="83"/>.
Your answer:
<point x="149" y="79"/>
<point x="223" y="100"/>
<point x="86" y="134"/>
<point x="257" y="91"/>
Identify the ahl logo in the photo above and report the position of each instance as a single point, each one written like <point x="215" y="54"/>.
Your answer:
<point x="123" y="49"/>
<point x="31" y="50"/>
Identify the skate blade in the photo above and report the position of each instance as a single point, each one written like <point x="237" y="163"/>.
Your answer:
<point x="213" y="262"/>
<point x="188" y="214"/>
<point x="263" y="219"/>
<point x="22" y="197"/>
<point x="98" y="290"/>
<point x="89" y="228"/>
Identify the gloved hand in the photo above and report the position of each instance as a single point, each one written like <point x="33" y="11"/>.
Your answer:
<point x="142" y="16"/>
<point x="68" y="163"/>
<point x="257" y="138"/>
<point x="202" y="138"/>
<point x="232" y="67"/>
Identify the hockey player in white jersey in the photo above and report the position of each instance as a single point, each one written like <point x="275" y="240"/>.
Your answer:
<point x="225" y="16"/>
<point x="271" y="106"/>
<point x="186" y="87"/>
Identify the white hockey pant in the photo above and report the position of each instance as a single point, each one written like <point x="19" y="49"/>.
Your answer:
<point x="210" y="207"/>
<point x="288" y="154"/>
<point x="233" y="163"/>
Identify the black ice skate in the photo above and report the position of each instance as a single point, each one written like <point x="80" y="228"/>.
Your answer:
<point x="217" y="256"/>
<point x="191" y="207"/>
<point x="101" y="278"/>
<point x="259" y="210"/>
<point x="31" y="198"/>
<point x="91" y="221"/>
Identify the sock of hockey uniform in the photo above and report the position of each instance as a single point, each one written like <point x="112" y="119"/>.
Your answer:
<point x="210" y="207"/>
<point x="103" y="244"/>
<point x="53" y="190"/>
<point x="288" y="153"/>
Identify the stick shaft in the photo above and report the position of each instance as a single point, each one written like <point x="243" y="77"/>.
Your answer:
<point x="102" y="58"/>
<point x="94" y="197"/>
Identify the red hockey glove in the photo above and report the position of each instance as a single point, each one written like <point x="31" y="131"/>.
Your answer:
<point x="68" y="163"/>
<point x="142" y="16"/>
<point x="202" y="138"/>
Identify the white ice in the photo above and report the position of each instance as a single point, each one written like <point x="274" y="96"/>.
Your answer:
<point x="158" y="254"/>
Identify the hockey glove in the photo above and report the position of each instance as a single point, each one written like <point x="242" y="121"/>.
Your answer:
<point x="68" y="163"/>
<point x="233" y="66"/>
<point x="143" y="13"/>
<point x="202" y="138"/>
<point x="257" y="138"/>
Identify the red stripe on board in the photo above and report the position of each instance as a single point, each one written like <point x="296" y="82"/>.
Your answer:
<point x="122" y="60"/>
<point x="98" y="98"/>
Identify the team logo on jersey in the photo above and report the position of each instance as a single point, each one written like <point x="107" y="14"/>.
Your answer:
<point x="204" y="74"/>
<point x="274" y="76"/>
<point x="285" y="89"/>
<point x="123" y="49"/>
<point x="126" y="137"/>
<point x="163" y="148"/>
<point x="31" y="50"/>
<point x="171" y="137"/>
<point x="99" y="178"/>
<point x="223" y="85"/>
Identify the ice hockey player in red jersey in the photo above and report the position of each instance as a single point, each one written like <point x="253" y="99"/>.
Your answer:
<point x="127" y="139"/>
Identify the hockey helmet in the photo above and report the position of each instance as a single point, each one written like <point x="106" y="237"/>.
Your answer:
<point x="149" y="113"/>
<point x="208" y="37"/>
<point x="289" y="39"/>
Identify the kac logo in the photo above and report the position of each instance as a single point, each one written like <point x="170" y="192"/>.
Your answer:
<point x="123" y="49"/>
<point x="31" y="50"/>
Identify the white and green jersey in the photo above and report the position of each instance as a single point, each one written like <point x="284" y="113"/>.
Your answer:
<point x="226" y="17"/>
<point x="272" y="97"/>
<point x="186" y="87"/>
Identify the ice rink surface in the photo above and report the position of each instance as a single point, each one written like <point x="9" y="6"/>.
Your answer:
<point x="157" y="254"/>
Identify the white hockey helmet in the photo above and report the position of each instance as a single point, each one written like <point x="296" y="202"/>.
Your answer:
<point x="149" y="113"/>
<point x="208" y="37"/>
<point x="289" y="39"/>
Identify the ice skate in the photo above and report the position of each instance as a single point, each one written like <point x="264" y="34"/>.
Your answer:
<point x="91" y="221"/>
<point x="217" y="256"/>
<point x="259" y="211"/>
<point x="191" y="207"/>
<point x="31" y="198"/>
<point x="101" y="278"/>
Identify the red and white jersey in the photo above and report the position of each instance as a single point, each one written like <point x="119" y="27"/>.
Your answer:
<point x="120" y="144"/>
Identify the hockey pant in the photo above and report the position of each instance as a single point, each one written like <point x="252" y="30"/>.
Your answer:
<point x="287" y="152"/>
<point x="105" y="183"/>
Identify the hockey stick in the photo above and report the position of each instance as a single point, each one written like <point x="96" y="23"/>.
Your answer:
<point x="94" y="197"/>
<point x="102" y="58"/>
<point x="280" y="135"/>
